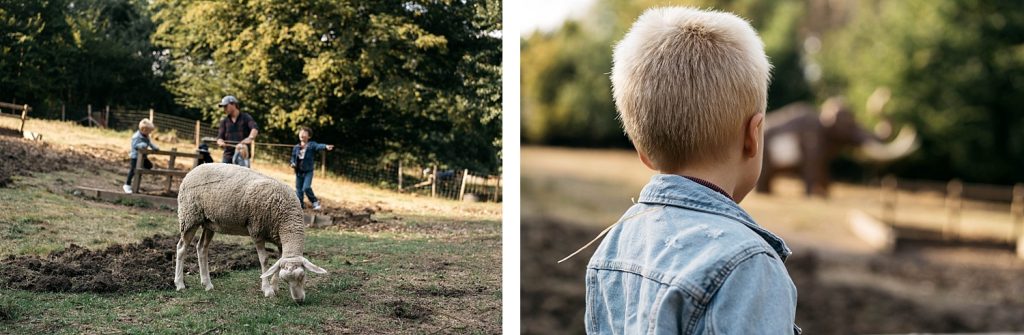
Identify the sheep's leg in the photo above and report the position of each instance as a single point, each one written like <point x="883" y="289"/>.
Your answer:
<point x="273" y="279"/>
<point x="179" y="258"/>
<point x="203" y="251"/>
<point x="265" y="285"/>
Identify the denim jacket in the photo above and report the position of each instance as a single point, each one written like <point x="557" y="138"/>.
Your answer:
<point x="140" y="142"/>
<point x="308" y="160"/>
<point x="688" y="260"/>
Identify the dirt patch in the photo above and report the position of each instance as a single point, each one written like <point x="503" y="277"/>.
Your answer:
<point x="21" y="157"/>
<point x="406" y="310"/>
<point x="148" y="265"/>
<point x="917" y="289"/>
<point x="443" y="291"/>
<point x="345" y="216"/>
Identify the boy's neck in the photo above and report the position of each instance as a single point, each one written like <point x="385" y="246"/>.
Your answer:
<point x="722" y="178"/>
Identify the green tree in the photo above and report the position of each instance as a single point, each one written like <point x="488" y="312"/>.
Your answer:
<point x="416" y="80"/>
<point x="956" y="72"/>
<point x="78" y="52"/>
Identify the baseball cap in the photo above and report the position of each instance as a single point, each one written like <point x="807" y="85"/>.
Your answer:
<point x="228" y="99"/>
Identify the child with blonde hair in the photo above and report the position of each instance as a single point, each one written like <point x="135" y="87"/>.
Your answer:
<point x="690" y="87"/>
<point x="140" y="140"/>
<point x="241" y="156"/>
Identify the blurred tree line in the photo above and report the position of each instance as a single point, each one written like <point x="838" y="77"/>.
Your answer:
<point x="73" y="53"/>
<point x="384" y="80"/>
<point x="955" y="69"/>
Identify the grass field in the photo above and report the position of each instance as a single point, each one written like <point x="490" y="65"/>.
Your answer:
<point x="425" y="265"/>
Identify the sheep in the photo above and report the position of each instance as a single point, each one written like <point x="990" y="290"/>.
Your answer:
<point x="229" y="199"/>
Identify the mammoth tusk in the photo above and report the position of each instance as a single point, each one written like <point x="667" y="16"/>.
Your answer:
<point x="901" y="146"/>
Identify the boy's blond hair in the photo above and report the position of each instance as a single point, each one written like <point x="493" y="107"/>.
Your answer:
<point x="146" y="124"/>
<point x="686" y="81"/>
<point x="243" y="150"/>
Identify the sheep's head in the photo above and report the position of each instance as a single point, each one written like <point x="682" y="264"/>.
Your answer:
<point x="293" y="271"/>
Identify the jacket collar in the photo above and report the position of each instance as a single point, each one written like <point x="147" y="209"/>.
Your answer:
<point x="677" y="191"/>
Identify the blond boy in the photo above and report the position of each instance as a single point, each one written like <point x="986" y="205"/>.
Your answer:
<point x="690" y="87"/>
<point x="140" y="140"/>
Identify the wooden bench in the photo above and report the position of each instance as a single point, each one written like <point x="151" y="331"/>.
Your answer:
<point x="169" y="172"/>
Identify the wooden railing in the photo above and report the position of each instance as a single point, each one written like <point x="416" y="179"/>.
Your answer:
<point x="170" y="171"/>
<point x="24" y="113"/>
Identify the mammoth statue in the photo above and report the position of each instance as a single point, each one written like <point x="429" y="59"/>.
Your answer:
<point x="801" y="140"/>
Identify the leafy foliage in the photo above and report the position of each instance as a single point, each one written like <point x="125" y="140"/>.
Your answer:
<point x="955" y="69"/>
<point x="417" y="81"/>
<point x="78" y="52"/>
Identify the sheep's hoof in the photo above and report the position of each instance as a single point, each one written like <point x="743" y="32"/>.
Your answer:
<point x="269" y="293"/>
<point x="209" y="287"/>
<point x="179" y="287"/>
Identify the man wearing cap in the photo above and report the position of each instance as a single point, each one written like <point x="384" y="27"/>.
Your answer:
<point x="236" y="127"/>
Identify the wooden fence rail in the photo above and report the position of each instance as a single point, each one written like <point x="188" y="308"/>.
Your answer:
<point x="954" y="193"/>
<point x="24" y="113"/>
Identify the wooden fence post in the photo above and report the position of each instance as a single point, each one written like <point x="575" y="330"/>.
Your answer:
<point x="497" y="188"/>
<point x="151" y="115"/>
<point x="323" y="165"/>
<point x="462" y="190"/>
<point x="89" y="120"/>
<point x="433" y="181"/>
<point x="170" y="166"/>
<point x="62" y="113"/>
<point x="399" y="176"/>
<point x="197" y="137"/>
<point x="252" y="154"/>
<point x="24" y="115"/>
<point x="106" y="118"/>
<point x="954" y="204"/>
<point x="137" y="179"/>
<point x="889" y="193"/>
<point x="1017" y="211"/>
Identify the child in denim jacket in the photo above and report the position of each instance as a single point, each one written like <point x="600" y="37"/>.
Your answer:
<point x="690" y="87"/>
<point x="303" y="160"/>
<point x="140" y="140"/>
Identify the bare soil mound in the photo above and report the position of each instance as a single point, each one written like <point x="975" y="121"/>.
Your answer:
<point x="913" y="290"/>
<point x="23" y="157"/>
<point x="347" y="217"/>
<point x="148" y="265"/>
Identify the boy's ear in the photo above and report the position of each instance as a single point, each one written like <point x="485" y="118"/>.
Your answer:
<point x="645" y="160"/>
<point x="752" y="135"/>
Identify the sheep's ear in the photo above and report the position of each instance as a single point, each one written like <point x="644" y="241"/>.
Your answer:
<point x="272" y="270"/>
<point x="312" y="267"/>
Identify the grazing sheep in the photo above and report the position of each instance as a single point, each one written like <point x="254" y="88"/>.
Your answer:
<point x="229" y="199"/>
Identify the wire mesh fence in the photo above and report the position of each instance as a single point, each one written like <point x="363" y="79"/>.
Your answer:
<point x="437" y="180"/>
<point x="457" y="184"/>
<point x="170" y="126"/>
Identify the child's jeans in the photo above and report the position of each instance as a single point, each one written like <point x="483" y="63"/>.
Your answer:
<point x="304" y="185"/>
<point x="146" y="164"/>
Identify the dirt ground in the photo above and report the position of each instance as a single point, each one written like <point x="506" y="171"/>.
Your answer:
<point x="919" y="288"/>
<point x="21" y="157"/>
<point x="148" y="265"/>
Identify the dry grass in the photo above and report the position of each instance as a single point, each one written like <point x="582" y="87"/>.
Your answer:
<point x="594" y="187"/>
<point x="333" y="189"/>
